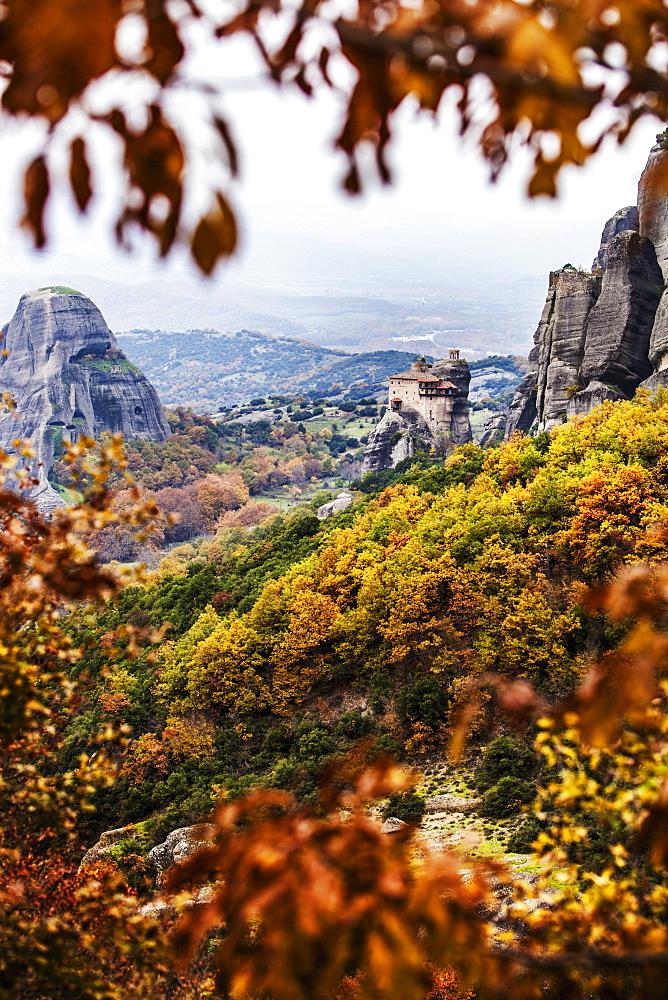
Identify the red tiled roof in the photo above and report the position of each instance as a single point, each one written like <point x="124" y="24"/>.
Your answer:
<point x="417" y="376"/>
<point x="414" y="376"/>
<point x="446" y="385"/>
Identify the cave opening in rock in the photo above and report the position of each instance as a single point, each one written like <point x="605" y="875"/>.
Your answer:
<point x="90" y="350"/>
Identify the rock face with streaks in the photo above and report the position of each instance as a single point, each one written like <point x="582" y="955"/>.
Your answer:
<point x="625" y="219"/>
<point x="458" y="373"/>
<point x="493" y="431"/>
<point x="68" y="379"/>
<point x="619" y="327"/>
<point x="395" y="437"/>
<point x="522" y="414"/>
<point x="653" y="209"/>
<point x="597" y="338"/>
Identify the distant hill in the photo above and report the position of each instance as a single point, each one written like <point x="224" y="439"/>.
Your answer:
<point x="208" y="369"/>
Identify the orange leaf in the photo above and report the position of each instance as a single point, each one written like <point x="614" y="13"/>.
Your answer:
<point x="36" y="193"/>
<point x="80" y="174"/>
<point x="215" y="236"/>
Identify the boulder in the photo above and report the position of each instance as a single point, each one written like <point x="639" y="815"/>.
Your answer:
<point x="68" y="379"/>
<point x="341" y="502"/>
<point x="393" y="825"/>
<point x="104" y="846"/>
<point x="179" y="845"/>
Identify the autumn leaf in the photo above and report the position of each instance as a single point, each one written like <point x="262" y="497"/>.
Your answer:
<point x="215" y="236"/>
<point x="36" y="188"/>
<point x="56" y="49"/>
<point x="80" y="174"/>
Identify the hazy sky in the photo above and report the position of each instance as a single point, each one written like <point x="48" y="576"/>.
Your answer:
<point x="440" y="215"/>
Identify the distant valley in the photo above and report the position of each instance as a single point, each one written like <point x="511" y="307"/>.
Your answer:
<point x="209" y="369"/>
<point x="335" y="295"/>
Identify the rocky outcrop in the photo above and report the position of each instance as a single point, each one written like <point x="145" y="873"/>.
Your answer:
<point x="653" y="208"/>
<point x="619" y="326"/>
<point x="452" y="804"/>
<point x="339" y="503"/>
<point x="180" y="845"/>
<point x="104" y="846"/>
<point x="594" y="338"/>
<point x="625" y="219"/>
<point x="522" y="414"/>
<point x="560" y="341"/>
<point x="68" y="379"/>
<point x="395" y="437"/>
<point x="393" y="825"/>
<point x="493" y="431"/>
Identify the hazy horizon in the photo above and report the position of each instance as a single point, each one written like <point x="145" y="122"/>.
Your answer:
<point x="441" y="242"/>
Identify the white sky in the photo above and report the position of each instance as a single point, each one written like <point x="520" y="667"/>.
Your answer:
<point x="440" y="216"/>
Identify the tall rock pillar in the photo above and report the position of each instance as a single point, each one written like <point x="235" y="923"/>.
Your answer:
<point x="653" y="210"/>
<point x="68" y="378"/>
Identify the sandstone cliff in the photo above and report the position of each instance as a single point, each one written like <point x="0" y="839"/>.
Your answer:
<point x="653" y="209"/>
<point x="493" y="431"/>
<point x="459" y="374"/>
<point x="594" y="338"/>
<point x="395" y="437"/>
<point x="623" y="220"/>
<point x="68" y="378"/>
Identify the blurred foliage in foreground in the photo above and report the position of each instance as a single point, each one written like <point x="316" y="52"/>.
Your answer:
<point x="306" y="897"/>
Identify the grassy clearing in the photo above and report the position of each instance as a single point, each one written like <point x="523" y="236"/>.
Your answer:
<point x="478" y="418"/>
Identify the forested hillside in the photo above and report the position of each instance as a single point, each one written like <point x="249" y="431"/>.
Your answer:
<point x="284" y="646"/>
<point x="205" y="369"/>
<point x="233" y="471"/>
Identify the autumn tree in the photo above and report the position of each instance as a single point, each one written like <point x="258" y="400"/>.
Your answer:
<point x="61" y="935"/>
<point x="312" y="897"/>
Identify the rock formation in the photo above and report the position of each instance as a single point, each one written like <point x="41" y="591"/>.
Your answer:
<point x="603" y="333"/>
<point x="427" y="409"/>
<point x="623" y="220"/>
<point x="180" y="845"/>
<point x="341" y="502"/>
<point x="68" y="378"/>
<point x="653" y="209"/>
<point x="493" y="430"/>
<point x="105" y="846"/>
<point x="522" y="413"/>
<point x="457" y="372"/>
